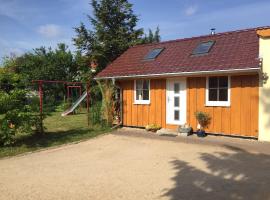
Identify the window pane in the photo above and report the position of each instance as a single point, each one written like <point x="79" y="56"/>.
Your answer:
<point x="176" y="101"/>
<point x="145" y="94"/>
<point x="213" y="82"/>
<point x="153" y="53"/>
<point x="176" y="88"/>
<point x="213" y="94"/>
<point x="139" y="95"/>
<point x="145" y="84"/>
<point x="176" y="115"/>
<point x="223" y="95"/>
<point x="203" y="47"/>
<point x="142" y="89"/>
<point x="139" y="84"/>
<point x="223" y="82"/>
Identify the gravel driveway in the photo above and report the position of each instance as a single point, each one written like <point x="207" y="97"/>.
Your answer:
<point x="116" y="166"/>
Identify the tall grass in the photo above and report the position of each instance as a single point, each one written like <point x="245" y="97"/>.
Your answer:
<point x="108" y="101"/>
<point x="95" y="114"/>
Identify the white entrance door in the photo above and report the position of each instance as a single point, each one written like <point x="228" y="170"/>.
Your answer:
<point x="176" y="101"/>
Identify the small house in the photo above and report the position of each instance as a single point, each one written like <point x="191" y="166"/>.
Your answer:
<point x="223" y="74"/>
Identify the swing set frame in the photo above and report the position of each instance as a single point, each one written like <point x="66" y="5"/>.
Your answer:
<point x="69" y="87"/>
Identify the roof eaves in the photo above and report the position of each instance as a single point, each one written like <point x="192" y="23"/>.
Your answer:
<point x="229" y="71"/>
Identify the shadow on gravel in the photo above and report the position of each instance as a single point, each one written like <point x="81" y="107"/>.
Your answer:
<point x="239" y="175"/>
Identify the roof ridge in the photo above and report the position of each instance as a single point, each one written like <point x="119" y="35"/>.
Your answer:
<point x="201" y="36"/>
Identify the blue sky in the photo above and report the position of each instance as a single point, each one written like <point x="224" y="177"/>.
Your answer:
<point x="26" y="24"/>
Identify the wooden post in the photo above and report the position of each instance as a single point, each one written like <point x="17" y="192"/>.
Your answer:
<point x="68" y="95"/>
<point x="41" y="105"/>
<point x="87" y="102"/>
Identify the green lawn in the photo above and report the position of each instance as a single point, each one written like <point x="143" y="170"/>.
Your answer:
<point x="59" y="130"/>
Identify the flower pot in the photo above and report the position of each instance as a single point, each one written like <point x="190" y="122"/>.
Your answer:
<point x="184" y="131"/>
<point x="201" y="133"/>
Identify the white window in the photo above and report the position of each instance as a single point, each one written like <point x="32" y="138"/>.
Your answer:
<point x="142" y="91"/>
<point x="218" y="91"/>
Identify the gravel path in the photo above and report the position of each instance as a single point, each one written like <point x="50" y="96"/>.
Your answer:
<point x="118" y="167"/>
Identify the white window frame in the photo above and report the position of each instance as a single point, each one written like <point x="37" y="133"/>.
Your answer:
<point x="141" y="101"/>
<point x="218" y="103"/>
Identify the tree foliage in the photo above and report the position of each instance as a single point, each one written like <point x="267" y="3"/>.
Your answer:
<point x="49" y="64"/>
<point x="17" y="108"/>
<point x="151" y="37"/>
<point x="113" y="31"/>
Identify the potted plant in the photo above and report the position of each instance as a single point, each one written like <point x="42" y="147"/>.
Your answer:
<point x="153" y="127"/>
<point x="185" y="130"/>
<point x="203" y="119"/>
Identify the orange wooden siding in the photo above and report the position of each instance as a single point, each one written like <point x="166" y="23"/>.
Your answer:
<point x="241" y="118"/>
<point x="142" y="115"/>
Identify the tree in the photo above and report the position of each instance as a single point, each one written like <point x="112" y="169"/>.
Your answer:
<point x="45" y="63"/>
<point x="85" y="41"/>
<point x="157" y="37"/>
<point x="151" y="38"/>
<point x="114" y="31"/>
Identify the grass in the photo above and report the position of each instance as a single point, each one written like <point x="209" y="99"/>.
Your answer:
<point x="59" y="130"/>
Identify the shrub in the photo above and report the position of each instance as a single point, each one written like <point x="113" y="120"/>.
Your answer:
<point x="153" y="127"/>
<point x="17" y="115"/>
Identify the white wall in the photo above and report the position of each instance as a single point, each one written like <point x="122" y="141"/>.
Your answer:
<point x="264" y="91"/>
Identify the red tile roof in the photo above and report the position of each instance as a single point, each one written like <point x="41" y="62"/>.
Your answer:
<point x="232" y="50"/>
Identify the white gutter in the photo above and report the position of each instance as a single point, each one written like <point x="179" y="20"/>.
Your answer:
<point x="229" y="71"/>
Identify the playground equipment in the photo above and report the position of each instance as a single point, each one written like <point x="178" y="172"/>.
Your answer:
<point x="40" y="89"/>
<point x="74" y="105"/>
<point x="69" y="91"/>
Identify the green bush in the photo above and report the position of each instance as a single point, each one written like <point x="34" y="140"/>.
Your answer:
<point x="18" y="108"/>
<point x="153" y="127"/>
<point x="19" y="115"/>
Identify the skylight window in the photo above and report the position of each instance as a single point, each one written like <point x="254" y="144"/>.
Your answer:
<point x="153" y="54"/>
<point x="203" y="48"/>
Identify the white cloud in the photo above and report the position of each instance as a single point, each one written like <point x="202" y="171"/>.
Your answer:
<point x="191" y="10"/>
<point x="50" y="30"/>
